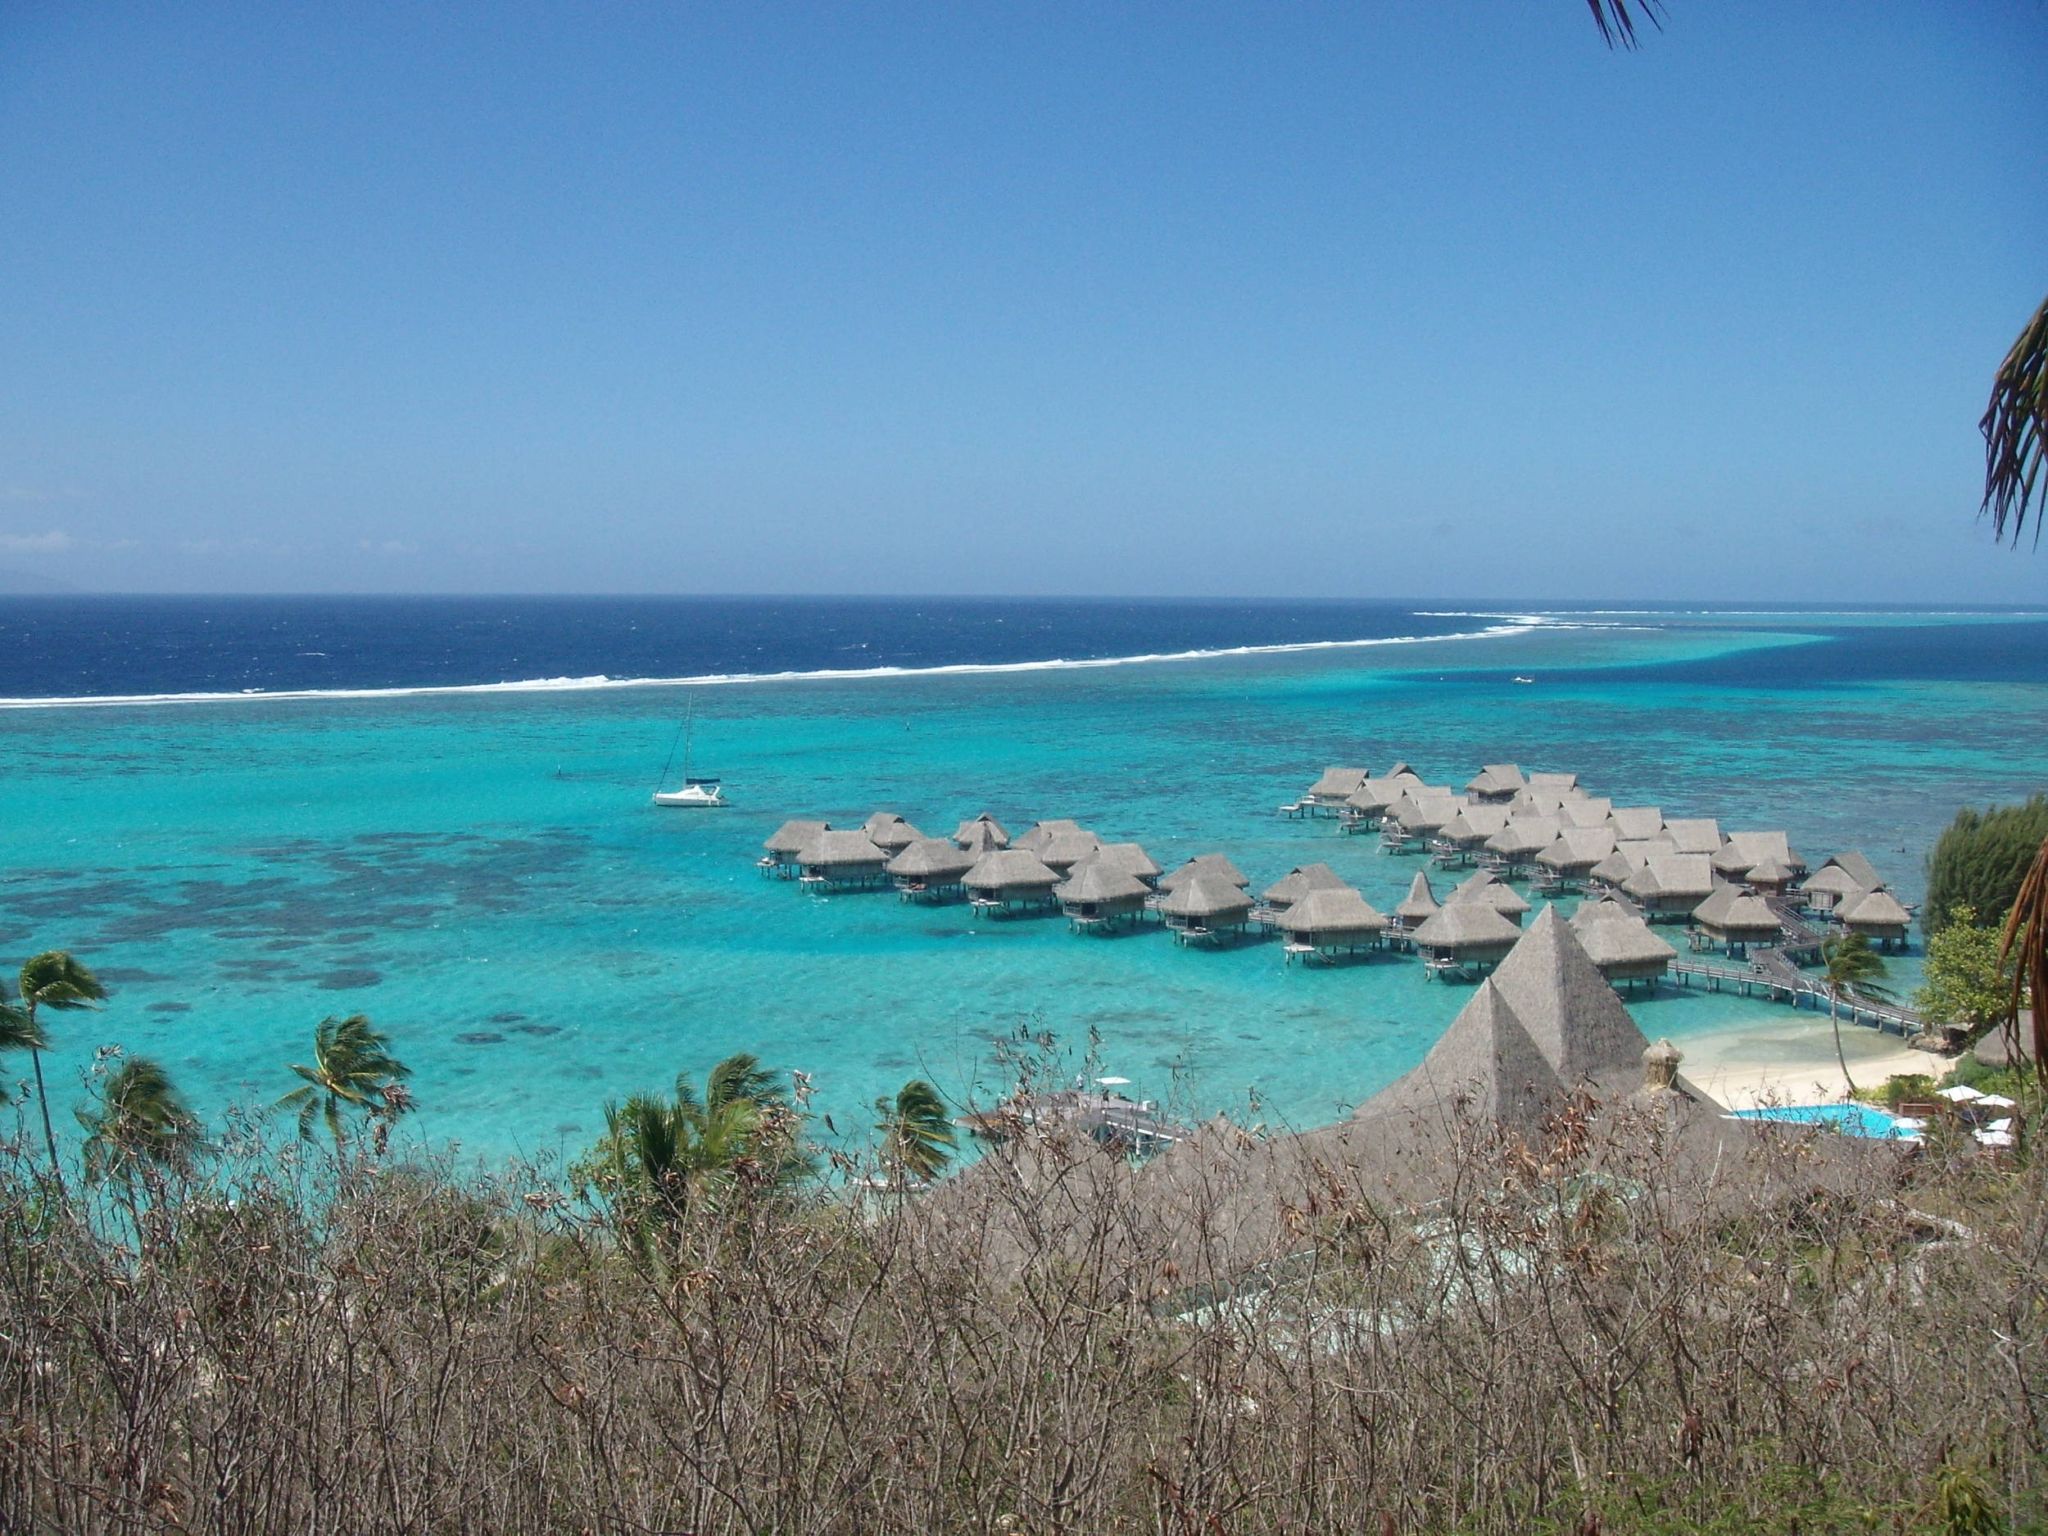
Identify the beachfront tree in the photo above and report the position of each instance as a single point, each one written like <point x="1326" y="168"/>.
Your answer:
<point x="1980" y="859"/>
<point x="660" y="1157"/>
<point x="1850" y="965"/>
<point x="352" y="1070"/>
<point x="140" y="1128"/>
<point x="917" y="1133"/>
<point x="52" y="980"/>
<point x="1967" y="980"/>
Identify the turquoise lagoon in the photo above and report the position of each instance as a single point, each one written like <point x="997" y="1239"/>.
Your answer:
<point x="484" y="875"/>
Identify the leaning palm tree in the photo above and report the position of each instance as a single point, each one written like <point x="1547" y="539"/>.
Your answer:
<point x="2015" y="428"/>
<point x="917" y="1133"/>
<point x="140" y="1128"/>
<point x="56" y="981"/>
<point x="352" y="1069"/>
<point x="1849" y="964"/>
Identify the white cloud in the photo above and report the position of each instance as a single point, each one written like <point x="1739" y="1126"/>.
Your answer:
<point x="55" y="542"/>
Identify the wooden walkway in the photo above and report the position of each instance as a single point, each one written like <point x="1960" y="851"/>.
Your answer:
<point x="1771" y="974"/>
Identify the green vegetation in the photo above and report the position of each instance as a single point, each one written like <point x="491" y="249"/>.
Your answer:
<point x="1980" y="860"/>
<point x="1851" y="966"/>
<point x="1968" y="985"/>
<point x="140" y="1128"/>
<point x="55" y="981"/>
<point x="351" y="1070"/>
<point x="917" y="1133"/>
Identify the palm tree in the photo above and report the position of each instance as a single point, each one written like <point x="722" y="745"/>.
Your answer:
<point x="659" y="1157"/>
<point x="1850" y="964"/>
<point x="353" y="1069"/>
<point x="52" y="980"/>
<point x="917" y="1133"/>
<point x="2027" y="924"/>
<point x="141" y="1126"/>
<point x="2015" y="428"/>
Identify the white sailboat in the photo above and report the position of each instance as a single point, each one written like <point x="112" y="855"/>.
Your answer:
<point x="697" y="793"/>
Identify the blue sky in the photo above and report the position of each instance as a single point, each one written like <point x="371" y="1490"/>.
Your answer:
<point x="1369" y="299"/>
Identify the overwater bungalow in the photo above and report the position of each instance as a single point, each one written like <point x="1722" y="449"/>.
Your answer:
<point x="1206" y="908"/>
<point x="1043" y="832"/>
<point x="1734" y="921"/>
<point x="1490" y="890"/>
<point x="981" y="834"/>
<point x="1213" y="865"/>
<point x="929" y="869"/>
<point x="1127" y="858"/>
<point x="1496" y="784"/>
<point x="1464" y="939"/>
<point x="1745" y="850"/>
<point x="1770" y="876"/>
<point x="1670" y="887"/>
<point x="1573" y="854"/>
<point x="842" y="858"/>
<point x="1636" y="823"/>
<point x="1555" y="783"/>
<point x="1537" y="802"/>
<point x="1410" y="821"/>
<point x="1612" y="872"/>
<point x="1362" y="810"/>
<point x="1298" y="882"/>
<point x="1463" y="838"/>
<point x="784" y="844"/>
<point x="1879" y="916"/>
<point x="1415" y="909"/>
<point x="1098" y="898"/>
<point x="1694" y="834"/>
<point x="1842" y="877"/>
<point x="1007" y="880"/>
<point x="1592" y="811"/>
<point x="1621" y="944"/>
<point x="1516" y="845"/>
<point x="1327" y="795"/>
<point x="890" y="832"/>
<point x="1331" y="920"/>
<point x="1063" y="850"/>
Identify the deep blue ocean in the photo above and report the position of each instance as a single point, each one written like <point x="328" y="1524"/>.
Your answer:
<point x="325" y="806"/>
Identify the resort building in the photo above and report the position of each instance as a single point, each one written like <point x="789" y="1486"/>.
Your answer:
<point x="1097" y="897"/>
<point x="844" y="858"/>
<point x="1210" y="865"/>
<point x="1331" y="920"/>
<point x="1695" y="834"/>
<point x="1745" y="850"/>
<point x="1734" y="921"/>
<point x="1416" y="908"/>
<point x="1516" y="845"/>
<point x="1589" y="812"/>
<point x="1063" y="850"/>
<point x="1128" y="858"/>
<point x="1489" y="890"/>
<point x="1573" y="855"/>
<point x="1670" y="887"/>
<point x="1636" y="823"/>
<point x="1463" y="837"/>
<point x="1327" y="795"/>
<point x="1841" y="878"/>
<point x="1463" y="938"/>
<point x="981" y="834"/>
<point x="785" y="843"/>
<point x="1298" y="882"/>
<point x="1879" y="916"/>
<point x="1043" y="832"/>
<point x="1007" y="880"/>
<point x="890" y="832"/>
<point x="929" y="869"/>
<point x="1206" y="908"/>
<point x="1496" y="784"/>
<point x="1621" y="944"/>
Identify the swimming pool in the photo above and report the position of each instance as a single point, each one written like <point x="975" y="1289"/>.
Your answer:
<point x="1850" y="1119"/>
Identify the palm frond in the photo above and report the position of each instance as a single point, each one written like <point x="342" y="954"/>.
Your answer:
<point x="742" y="1077"/>
<point x="2015" y="428"/>
<point x="19" y="1032"/>
<point x="1617" y="22"/>
<point x="2027" y="926"/>
<point x="54" y="979"/>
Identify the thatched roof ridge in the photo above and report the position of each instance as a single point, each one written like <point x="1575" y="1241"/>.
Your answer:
<point x="1854" y="867"/>
<point x="1496" y="779"/>
<point x="1601" y="909"/>
<point x="791" y="836"/>
<point x="1525" y="836"/>
<point x="1589" y="812"/>
<point x="1336" y="783"/>
<point x="1130" y="858"/>
<point x="1622" y="939"/>
<point x="1875" y="909"/>
<point x="1420" y="902"/>
<point x="931" y="858"/>
<point x="1673" y="875"/>
<point x="1299" y="881"/>
<point x="983" y="832"/>
<point x="1010" y="869"/>
<point x="1615" y="869"/>
<point x="1043" y="832"/>
<point x="1745" y="850"/>
<point x="1487" y="1055"/>
<point x="1733" y="910"/>
<point x="1095" y="881"/>
<point x="841" y="849"/>
<point x="1213" y="865"/>
<point x="1770" y="872"/>
<point x="1577" y="848"/>
<point x="1330" y="911"/>
<point x="1207" y="897"/>
<point x="1066" y="849"/>
<point x="1694" y="834"/>
<point x="1474" y="824"/>
<point x="890" y="832"/>
<point x="1568" y="1007"/>
<point x="1494" y="892"/>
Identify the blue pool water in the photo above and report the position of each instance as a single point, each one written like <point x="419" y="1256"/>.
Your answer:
<point x="1851" y="1119"/>
<point x="483" y="874"/>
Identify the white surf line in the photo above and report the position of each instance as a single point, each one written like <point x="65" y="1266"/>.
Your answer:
<point x="1521" y="624"/>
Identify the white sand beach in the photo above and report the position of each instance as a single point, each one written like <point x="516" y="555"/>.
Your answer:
<point x="1791" y="1060"/>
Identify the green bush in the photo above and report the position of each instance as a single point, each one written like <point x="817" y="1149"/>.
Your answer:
<point x="1981" y="859"/>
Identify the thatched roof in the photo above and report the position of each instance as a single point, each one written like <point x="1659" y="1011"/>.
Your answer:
<point x="982" y="833"/>
<point x="1537" y="802"/>
<point x="1732" y="910"/>
<point x="890" y="831"/>
<point x="1496" y="779"/>
<point x="1589" y="812"/>
<point x="1494" y="892"/>
<point x="1043" y="832"/>
<point x="1614" y="869"/>
<point x="1602" y="909"/>
<point x="931" y="858"/>
<point x="1852" y="867"/>
<point x="1620" y="939"/>
<point x="1877" y="909"/>
<point x="1375" y="795"/>
<point x="1332" y="912"/>
<point x="1578" y="848"/>
<point x="1213" y="865"/>
<point x="1557" y="783"/>
<point x="1634" y="822"/>
<point x="1770" y="872"/>
<point x="1066" y="849"/>
<point x="1299" y="881"/>
<point x="1403" y="771"/>
<point x="1421" y="812"/>
<point x="1094" y="881"/>
<point x="1207" y="898"/>
<point x="1473" y="825"/>
<point x="1674" y="876"/>
<point x="1525" y="836"/>
<point x="1639" y="851"/>
<point x="1336" y="783"/>
<point x="1465" y="925"/>
<point x="1010" y="870"/>
<point x="851" y="848"/>
<point x="1419" y="903"/>
<point x="1487" y="1057"/>
<point x="791" y="836"/>
<point x="1694" y="834"/>
<point x="1745" y="850"/>
<point x="1127" y="857"/>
